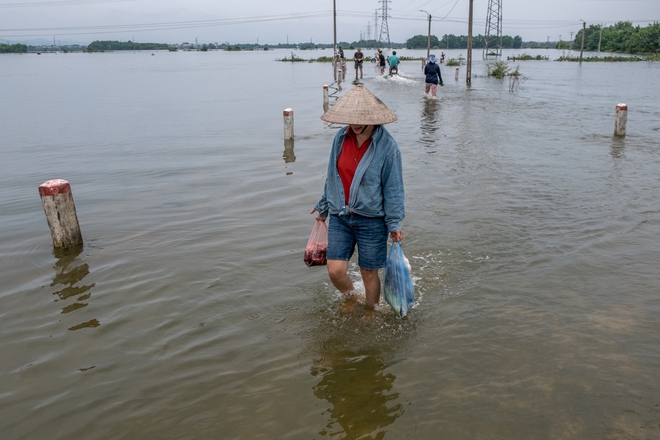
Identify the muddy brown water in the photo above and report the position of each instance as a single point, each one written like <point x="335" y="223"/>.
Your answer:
<point x="531" y="230"/>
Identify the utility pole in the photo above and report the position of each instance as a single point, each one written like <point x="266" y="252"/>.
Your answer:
<point x="584" y="31"/>
<point x="468" y="70"/>
<point x="334" y="24"/>
<point x="571" y="46"/>
<point x="428" y="40"/>
<point x="600" y="36"/>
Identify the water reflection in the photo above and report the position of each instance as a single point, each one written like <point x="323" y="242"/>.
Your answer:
<point x="429" y="122"/>
<point x="69" y="275"/>
<point x="359" y="390"/>
<point x="288" y="154"/>
<point x="617" y="149"/>
<point x="352" y="357"/>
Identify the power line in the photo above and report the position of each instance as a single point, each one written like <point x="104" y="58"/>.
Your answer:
<point x="60" y="3"/>
<point x="144" y="27"/>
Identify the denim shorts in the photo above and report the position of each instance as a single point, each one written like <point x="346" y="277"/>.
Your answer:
<point x="369" y="233"/>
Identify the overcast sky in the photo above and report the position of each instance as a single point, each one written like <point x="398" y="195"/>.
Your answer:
<point x="279" y="21"/>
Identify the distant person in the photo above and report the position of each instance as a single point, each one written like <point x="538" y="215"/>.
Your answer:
<point x="358" y="57"/>
<point x="381" y="61"/>
<point x="394" y="63"/>
<point x="433" y="77"/>
<point x="342" y="60"/>
<point x="442" y="57"/>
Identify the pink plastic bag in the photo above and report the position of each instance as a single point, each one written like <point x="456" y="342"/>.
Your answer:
<point x="317" y="245"/>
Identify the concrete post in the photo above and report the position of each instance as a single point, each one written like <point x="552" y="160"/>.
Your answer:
<point x="60" y="210"/>
<point x="326" y="95"/>
<point x="621" y="120"/>
<point x="456" y="74"/>
<point x="288" y="123"/>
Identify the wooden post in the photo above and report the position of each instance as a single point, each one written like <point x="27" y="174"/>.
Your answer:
<point x="60" y="210"/>
<point x="456" y="74"/>
<point x="288" y="123"/>
<point x="621" y="120"/>
<point x="326" y="95"/>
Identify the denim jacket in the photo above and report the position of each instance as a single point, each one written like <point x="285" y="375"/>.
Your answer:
<point x="377" y="188"/>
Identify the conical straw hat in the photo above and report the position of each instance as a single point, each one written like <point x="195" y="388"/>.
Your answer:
<point x="360" y="107"/>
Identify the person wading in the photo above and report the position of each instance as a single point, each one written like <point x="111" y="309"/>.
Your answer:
<point x="358" y="57"/>
<point x="381" y="61"/>
<point x="363" y="197"/>
<point x="433" y="77"/>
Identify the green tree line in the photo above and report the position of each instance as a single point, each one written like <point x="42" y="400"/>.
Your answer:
<point x="622" y="37"/>
<point x="99" y="46"/>
<point x="452" y="41"/>
<point x="13" y="48"/>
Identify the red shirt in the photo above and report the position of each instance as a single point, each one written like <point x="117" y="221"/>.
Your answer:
<point x="349" y="158"/>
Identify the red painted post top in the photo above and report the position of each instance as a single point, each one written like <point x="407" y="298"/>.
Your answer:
<point x="325" y="87"/>
<point x="288" y="112"/>
<point x="622" y="107"/>
<point x="54" y="187"/>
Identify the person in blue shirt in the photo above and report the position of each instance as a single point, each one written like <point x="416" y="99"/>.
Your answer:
<point x="433" y="77"/>
<point x="363" y="197"/>
<point x="394" y="63"/>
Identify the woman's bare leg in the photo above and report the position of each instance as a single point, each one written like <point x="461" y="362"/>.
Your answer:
<point x="338" y="273"/>
<point x="371" y="286"/>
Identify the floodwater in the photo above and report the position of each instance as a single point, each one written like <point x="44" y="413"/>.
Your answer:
<point x="532" y="232"/>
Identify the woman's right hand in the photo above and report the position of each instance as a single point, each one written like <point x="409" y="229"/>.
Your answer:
<point x="318" y="217"/>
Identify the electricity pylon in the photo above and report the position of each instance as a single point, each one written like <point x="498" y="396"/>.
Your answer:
<point x="384" y="36"/>
<point x="493" y="34"/>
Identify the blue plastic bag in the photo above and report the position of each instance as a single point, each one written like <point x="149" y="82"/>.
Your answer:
<point x="398" y="288"/>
